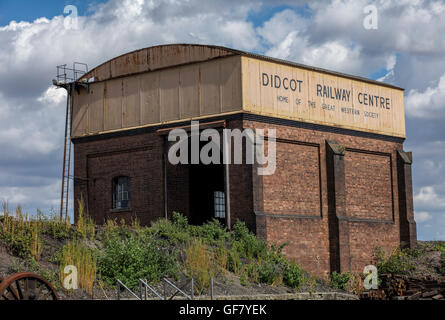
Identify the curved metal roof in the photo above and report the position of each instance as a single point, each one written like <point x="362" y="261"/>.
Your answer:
<point x="169" y="55"/>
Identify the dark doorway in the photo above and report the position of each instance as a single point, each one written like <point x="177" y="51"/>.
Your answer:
<point x="207" y="192"/>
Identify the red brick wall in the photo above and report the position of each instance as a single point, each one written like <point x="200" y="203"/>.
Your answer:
<point x="291" y="190"/>
<point x="306" y="241"/>
<point x="368" y="185"/>
<point x="370" y="170"/>
<point x="96" y="163"/>
<point x="290" y="206"/>
<point x="178" y="189"/>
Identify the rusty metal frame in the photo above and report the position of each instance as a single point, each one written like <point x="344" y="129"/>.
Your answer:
<point x="19" y="293"/>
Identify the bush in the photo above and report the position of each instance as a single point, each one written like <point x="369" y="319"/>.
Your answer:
<point x="398" y="261"/>
<point x="247" y="244"/>
<point x="212" y="232"/>
<point x="174" y="231"/>
<point x="440" y="246"/>
<point x="136" y="256"/>
<point x="269" y="272"/>
<point x="292" y="275"/>
<point x="340" y="280"/>
<point x="233" y="260"/>
<point x="18" y="234"/>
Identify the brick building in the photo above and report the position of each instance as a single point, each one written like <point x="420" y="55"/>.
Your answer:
<point x="342" y="184"/>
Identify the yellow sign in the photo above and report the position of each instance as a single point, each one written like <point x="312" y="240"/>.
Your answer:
<point x="295" y="93"/>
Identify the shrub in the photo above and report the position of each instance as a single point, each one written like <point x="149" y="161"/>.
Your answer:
<point x="58" y="228"/>
<point x="398" y="261"/>
<point x="233" y="260"/>
<point x="246" y="243"/>
<point x="269" y="272"/>
<point x="17" y="232"/>
<point x="440" y="246"/>
<point x="173" y="231"/>
<point x="212" y="232"/>
<point x="340" y="280"/>
<point x="292" y="274"/>
<point x="135" y="256"/>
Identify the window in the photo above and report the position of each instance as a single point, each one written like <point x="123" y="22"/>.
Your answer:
<point x="121" y="192"/>
<point x="220" y="204"/>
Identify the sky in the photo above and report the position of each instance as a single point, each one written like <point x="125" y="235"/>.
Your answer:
<point x="406" y="49"/>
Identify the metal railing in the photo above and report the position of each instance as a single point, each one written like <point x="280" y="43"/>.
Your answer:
<point x="143" y="283"/>
<point x="67" y="75"/>
<point x="145" y="288"/>
<point x="121" y="285"/>
<point x="178" y="290"/>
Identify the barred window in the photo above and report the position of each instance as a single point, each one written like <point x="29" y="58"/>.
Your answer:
<point x="220" y="204"/>
<point x="121" y="192"/>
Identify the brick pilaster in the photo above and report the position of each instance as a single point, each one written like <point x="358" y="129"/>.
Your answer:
<point x="408" y="233"/>
<point x="337" y="218"/>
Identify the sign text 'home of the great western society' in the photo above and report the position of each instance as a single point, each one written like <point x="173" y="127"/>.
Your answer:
<point x="320" y="97"/>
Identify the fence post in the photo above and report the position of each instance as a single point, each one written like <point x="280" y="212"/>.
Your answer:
<point x="192" y="294"/>
<point x="118" y="291"/>
<point x="211" y="288"/>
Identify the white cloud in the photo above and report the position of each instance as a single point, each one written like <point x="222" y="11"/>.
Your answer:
<point x="32" y="111"/>
<point x="408" y="44"/>
<point x="427" y="197"/>
<point x="53" y="96"/>
<point x="32" y="196"/>
<point x="281" y="25"/>
<point x="429" y="103"/>
<point x="422" y="216"/>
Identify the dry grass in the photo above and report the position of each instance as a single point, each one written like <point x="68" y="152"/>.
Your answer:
<point x="36" y="243"/>
<point x="22" y="234"/>
<point x="199" y="264"/>
<point x="85" y="225"/>
<point x="83" y="258"/>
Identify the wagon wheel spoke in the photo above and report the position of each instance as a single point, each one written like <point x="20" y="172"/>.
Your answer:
<point x="19" y="289"/>
<point x="14" y="292"/>
<point x="5" y="296"/>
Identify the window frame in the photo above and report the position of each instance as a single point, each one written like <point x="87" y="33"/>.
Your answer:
<point x="219" y="204"/>
<point x="119" y="188"/>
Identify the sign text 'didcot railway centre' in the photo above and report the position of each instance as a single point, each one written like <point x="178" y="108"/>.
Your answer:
<point x="313" y="96"/>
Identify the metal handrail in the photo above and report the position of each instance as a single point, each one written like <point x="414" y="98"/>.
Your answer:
<point x="119" y="285"/>
<point x="143" y="282"/>
<point x="190" y="297"/>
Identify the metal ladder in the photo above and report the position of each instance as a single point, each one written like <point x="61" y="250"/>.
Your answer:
<point x="66" y="78"/>
<point x="64" y="196"/>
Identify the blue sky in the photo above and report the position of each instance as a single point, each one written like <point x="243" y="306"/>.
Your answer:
<point x="30" y="10"/>
<point x="407" y="49"/>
